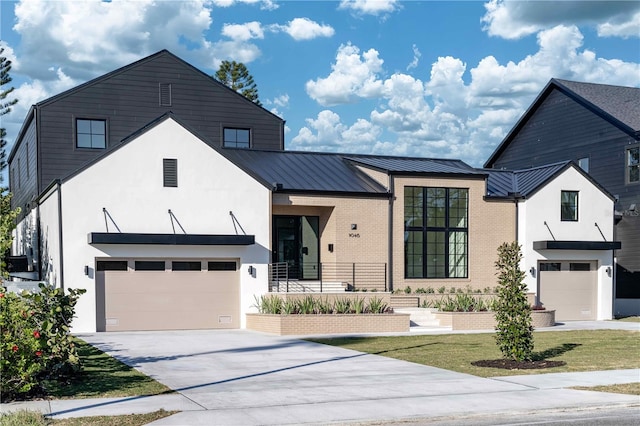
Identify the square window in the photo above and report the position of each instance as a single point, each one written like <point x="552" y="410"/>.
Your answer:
<point x="91" y="134"/>
<point x="236" y="138"/>
<point x="569" y="206"/>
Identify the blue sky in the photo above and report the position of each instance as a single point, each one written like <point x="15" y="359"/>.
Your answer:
<point x="431" y="79"/>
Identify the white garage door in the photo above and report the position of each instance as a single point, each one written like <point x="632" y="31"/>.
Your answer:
<point x="569" y="287"/>
<point x="167" y="294"/>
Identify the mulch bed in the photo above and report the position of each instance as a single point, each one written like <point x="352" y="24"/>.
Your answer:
<point x="509" y="364"/>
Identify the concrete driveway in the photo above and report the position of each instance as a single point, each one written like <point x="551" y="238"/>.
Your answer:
<point x="247" y="378"/>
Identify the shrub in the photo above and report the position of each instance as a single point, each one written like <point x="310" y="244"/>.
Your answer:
<point x="36" y="344"/>
<point x="514" y="332"/>
<point x="420" y="290"/>
<point x="430" y="290"/>
<point x="407" y="290"/>
<point x="442" y="289"/>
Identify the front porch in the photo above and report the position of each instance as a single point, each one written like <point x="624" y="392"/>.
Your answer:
<point x="329" y="277"/>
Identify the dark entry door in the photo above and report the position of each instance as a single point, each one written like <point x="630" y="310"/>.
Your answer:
<point x="296" y="242"/>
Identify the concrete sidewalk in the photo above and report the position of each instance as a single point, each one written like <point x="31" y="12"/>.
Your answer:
<point x="243" y="377"/>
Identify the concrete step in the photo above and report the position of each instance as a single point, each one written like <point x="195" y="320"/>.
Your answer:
<point x="420" y="317"/>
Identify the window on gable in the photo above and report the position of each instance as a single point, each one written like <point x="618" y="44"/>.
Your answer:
<point x="436" y="232"/>
<point x="633" y="164"/>
<point x="569" y="206"/>
<point x="91" y="134"/>
<point x="584" y="163"/>
<point x="236" y="138"/>
<point x="170" y="172"/>
<point x="165" y="94"/>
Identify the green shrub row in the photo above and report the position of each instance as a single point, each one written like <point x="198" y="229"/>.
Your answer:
<point x="272" y="304"/>
<point x="445" y="290"/>
<point x="35" y="342"/>
<point x="460" y="302"/>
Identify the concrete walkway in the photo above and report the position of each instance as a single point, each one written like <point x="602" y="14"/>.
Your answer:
<point x="247" y="378"/>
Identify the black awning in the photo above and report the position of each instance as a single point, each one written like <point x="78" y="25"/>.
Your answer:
<point x="576" y="245"/>
<point x="171" y="239"/>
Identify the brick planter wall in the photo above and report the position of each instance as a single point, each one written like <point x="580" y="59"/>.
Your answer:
<point x="328" y="324"/>
<point x="487" y="321"/>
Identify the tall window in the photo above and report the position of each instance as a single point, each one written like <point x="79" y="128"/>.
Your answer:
<point x="633" y="164"/>
<point x="436" y="232"/>
<point x="569" y="206"/>
<point x="91" y="134"/>
<point x="236" y="138"/>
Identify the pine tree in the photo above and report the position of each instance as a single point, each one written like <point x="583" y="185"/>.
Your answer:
<point x="5" y="105"/>
<point x="236" y="76"/>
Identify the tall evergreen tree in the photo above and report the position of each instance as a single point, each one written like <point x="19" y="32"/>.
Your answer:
<point x="236" y="76"/>
<point x="7" y="216"/>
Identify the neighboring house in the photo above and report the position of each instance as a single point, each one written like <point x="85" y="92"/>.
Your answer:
<point x="167" y="228"/>
<point x="598" y="127"/>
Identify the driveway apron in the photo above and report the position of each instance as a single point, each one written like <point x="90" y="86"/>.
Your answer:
<point x="244" y="377"/>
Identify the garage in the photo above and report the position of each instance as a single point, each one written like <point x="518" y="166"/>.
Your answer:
<point x="167" y="294"/>
<point x="570" y="288"/>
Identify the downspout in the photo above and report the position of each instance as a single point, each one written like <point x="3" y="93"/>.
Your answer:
<point x="39" y="233"/>
<point x="60" y="235"/>
<point x="390" y="268"/>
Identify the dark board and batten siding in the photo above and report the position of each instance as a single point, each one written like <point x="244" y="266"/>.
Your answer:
<point x="561" y="129"/>
<point x="25" y="163"/>
<point x="130" y="99"/>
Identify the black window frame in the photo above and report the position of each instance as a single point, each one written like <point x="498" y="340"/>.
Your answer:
<point x="439" y="227"/>
<point x="222" y="265"/>
<point x="186" y="265"/>
<point x="112" y="265"/>
<point x="149" y="265"/>
<point x="232" y="142"/>
<point x="634" y="168"/>
<point x="91" y="134"/>
<point x="566" y="209"/>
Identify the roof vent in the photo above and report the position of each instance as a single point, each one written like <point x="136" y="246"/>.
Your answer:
<point x="165" y="94"/>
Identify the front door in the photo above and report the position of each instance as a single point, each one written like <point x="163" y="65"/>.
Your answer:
<point x="296" y="243"/>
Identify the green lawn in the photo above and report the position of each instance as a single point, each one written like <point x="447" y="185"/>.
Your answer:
<point x="104" y="377"/>
<point x="587" y="350"/>
<point x="629" y="319"/>
<point x="627" y="388"/>
<point x="31" y="418"/>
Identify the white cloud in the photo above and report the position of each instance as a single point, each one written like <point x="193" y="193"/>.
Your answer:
<point x="264" y="4"/>
<point x="444" y="116"/>
<point x="305" y="29"/>
<point x="416" y="58"/>
<point x="243" y="32"/>
<point x="370" y="7"/>
<point x="351" y="77"/>
<point x="515" y="19"/>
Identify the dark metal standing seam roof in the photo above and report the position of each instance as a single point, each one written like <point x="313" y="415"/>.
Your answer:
<point x="415" y="165"/>
<point x="504" y="183"/>
<point x="301" y="171"/>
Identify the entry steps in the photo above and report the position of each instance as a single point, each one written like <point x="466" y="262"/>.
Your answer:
<point x="308" y="287"/>
<point x="420" y="317"/>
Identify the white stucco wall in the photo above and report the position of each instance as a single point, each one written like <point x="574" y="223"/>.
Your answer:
<point x="129" y="184"/>
<point x="594" y="206"/>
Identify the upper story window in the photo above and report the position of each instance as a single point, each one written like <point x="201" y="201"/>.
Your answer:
<point x="91" y="134"/>
<point x="236" y="138"/>
<point x="569" y="206"/>
<point x="436" y="232"/>
<point x="633" y="164"/>
<point x="170" y="172"/>
<point x="584" y="163"/>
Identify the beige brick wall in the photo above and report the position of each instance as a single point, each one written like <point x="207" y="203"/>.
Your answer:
<point x="487" y="320"/>
<point x="331" y="297"/>
<point x="490" y="224"/>
<point x="328" y="324"/>
<point x="369" y="243"/>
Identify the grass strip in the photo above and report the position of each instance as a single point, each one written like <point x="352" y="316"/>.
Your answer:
<point x="626" y="388"/>
<point x="104" y="377"/>
<point x="33" y="418"/>
<point x="585" y="350"/>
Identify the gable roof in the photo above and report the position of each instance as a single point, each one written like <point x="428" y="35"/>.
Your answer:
<point x="524" y="183"/>
<point x="619" y="105"/>
<point x="102" y="78"/>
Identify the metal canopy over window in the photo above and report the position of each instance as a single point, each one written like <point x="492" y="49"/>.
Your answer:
<point x="576" y="245"/>
<point x="171" y="239"/>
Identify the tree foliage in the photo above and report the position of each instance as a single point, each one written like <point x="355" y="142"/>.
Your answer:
<point x="7" y="216"/>
<point x="236" y="76"/>
<point x="514" y="332"/>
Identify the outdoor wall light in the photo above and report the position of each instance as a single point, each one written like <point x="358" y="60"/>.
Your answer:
<point x="354" y="226"/>
<point x="532" y="271"/>
<point x="252" y="270"/>
<point x="86" y="270"/>
<point x="330" y="248"/>
<point x="608" y="271"/>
